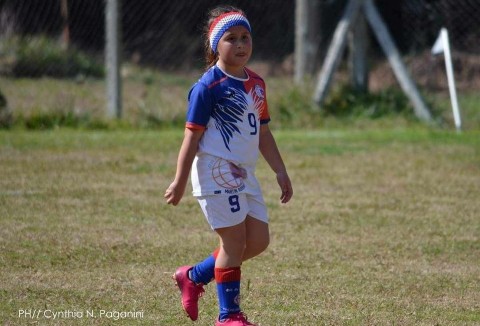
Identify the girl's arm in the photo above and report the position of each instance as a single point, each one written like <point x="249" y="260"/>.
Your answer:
<point x="268" y="148"/>
<point x="175" y="191"/>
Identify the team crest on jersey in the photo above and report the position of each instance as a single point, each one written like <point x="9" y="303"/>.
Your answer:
<point x="259" y="91"/>
<point x="228" y="175"/>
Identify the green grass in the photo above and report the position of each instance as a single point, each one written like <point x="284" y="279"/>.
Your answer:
<point x="383" y="229"/>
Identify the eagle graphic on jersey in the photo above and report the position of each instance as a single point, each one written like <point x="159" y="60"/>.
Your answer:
<point x="230" y="112"/>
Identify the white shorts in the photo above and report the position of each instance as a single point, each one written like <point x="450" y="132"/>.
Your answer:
<point x="228" y="210"/>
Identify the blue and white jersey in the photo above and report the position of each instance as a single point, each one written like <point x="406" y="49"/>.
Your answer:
<point x="230" y="110"/>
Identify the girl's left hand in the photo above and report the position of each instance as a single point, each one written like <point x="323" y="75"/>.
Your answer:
<point x="286" y="187"/>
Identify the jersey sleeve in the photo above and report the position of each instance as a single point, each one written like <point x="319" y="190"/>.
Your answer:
<point x="199" y="107"/>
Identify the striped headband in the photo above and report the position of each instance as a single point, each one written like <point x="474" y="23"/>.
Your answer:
<point x="222" y="23"/>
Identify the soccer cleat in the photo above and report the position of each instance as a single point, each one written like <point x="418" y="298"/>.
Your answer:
<point x="238" y="319"/>
<point x="190" y="291"/>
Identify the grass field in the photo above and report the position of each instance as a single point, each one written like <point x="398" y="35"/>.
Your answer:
<point x="383" y="229"/>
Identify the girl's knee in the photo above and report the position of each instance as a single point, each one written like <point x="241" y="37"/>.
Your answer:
<point x="258" y="246"/>
<point x="233" y="239"/>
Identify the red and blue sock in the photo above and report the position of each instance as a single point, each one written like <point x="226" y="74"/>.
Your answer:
<point x="204" y="272"/>
<point x="228" y="290"/>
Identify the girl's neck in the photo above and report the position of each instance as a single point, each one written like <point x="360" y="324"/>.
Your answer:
<point x="237" y="72"/>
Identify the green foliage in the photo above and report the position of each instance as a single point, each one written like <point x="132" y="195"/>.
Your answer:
<point x="46" y="120"/>
<point x="347" y="102"/>
<point x="43" y="56"/>
<point x="59" y="118"/>
<point x="154" y="121"/>
<point x="294" y="108"/>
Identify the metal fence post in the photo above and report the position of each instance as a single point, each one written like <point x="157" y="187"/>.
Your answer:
<point x="113" y="59"/>
<point x="358" y="49"/>
<point x="300" y="40"/>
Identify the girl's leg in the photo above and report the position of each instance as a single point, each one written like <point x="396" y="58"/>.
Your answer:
<point x="203" y="272"/>
<point x="257" y="237"/>
<point x="232" y="245"/>
<point x="191" y="279"/>
<point x="252" y="233"/>
<point x="227" y="268"/>
<point x="257" y="240"/>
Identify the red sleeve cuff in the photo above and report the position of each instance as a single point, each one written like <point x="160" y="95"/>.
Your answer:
<point x="194" y="126"/>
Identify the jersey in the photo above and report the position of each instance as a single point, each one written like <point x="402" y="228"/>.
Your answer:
<point x="230" y="110"/>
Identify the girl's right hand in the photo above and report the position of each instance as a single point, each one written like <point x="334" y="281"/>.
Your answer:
<point x="174" y="194"/>
<point x="175" y="191"/>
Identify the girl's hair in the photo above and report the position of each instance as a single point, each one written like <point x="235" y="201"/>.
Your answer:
<point x="210" y="56"/>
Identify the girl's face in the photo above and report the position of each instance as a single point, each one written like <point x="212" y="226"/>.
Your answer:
<point x="234" y="50"/>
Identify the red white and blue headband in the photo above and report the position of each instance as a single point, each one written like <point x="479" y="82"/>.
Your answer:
<point x="222" y="23"/>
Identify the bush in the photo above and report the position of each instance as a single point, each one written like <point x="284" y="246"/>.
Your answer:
<point x="291" y="106"/>
<point x="58" y="118"/>
<point x="43" y="56"/>
<point x="347" y="102"/>
<point x="295" y="107"/>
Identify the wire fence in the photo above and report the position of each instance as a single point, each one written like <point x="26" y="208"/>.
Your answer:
<point x="65" y="39"/>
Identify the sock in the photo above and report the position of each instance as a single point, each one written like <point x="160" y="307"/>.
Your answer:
<point x="203" y="272"/>
<point x="228" y="290"/>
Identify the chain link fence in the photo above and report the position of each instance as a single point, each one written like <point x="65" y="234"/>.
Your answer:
<point x="163" y="34"/>
<point x="63" y="41"/>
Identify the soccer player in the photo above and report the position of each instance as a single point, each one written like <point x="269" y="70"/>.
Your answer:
<point x="226" y="129"/>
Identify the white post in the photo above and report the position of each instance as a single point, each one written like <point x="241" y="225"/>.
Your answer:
<point x="444" y="46"/>
<point x="113" y="59"/>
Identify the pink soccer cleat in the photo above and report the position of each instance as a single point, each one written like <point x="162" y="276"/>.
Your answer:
<point x="190" y="291"/>
<point x="235" y="320"/>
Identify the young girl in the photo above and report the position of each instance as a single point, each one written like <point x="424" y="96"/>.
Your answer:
<point x="226" y="128"/>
